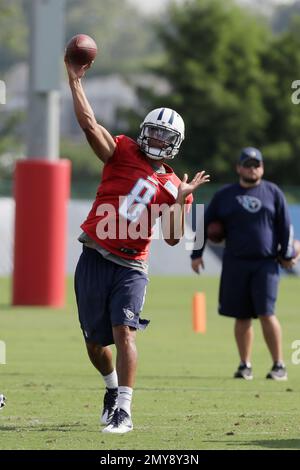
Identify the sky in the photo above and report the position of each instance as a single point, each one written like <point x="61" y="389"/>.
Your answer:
<point x="149" y="6"/>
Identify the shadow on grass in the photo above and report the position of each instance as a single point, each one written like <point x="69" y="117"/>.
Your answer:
<point x="44" y="428"/>
<point x="190" y="377"/>
<point x="278" y="444"/>
<point x="274" y="444"/>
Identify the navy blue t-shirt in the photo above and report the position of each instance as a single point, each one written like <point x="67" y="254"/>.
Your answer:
<point x="256" y="221"/>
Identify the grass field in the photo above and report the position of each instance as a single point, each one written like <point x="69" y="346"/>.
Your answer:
<point x="185" y="397"/>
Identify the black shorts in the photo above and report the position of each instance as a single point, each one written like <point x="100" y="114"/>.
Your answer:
<point x="107" y="295"/>
<point x="248" y="288"/>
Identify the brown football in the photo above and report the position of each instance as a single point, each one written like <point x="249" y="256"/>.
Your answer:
<point x="81" y="50"/>
<point x="216" y="232"/>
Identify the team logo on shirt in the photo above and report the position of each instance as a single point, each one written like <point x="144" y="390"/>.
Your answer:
<point x="128" y="313"/>
<point x="250" y="203"/>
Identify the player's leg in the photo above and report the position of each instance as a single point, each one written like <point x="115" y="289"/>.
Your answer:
<point x="101" y="358"/>
<point x="126" y="365"/>
<point x="235" y="301"/>
<point x="273" y="336"/>
<point x="265" y="288"/>
<point x="126" y="304"/>
<point x="244" y="335"/>
<point x="126" y="362"/>
<point x="92" y="283"/>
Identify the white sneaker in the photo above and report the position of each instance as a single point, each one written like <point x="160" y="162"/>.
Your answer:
<point x="120" y="424"/>
<point x="2" y="401"/>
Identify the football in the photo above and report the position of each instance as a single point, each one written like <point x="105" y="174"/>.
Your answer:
<point x="81" y="50"/>
<point x="216" y="232"/>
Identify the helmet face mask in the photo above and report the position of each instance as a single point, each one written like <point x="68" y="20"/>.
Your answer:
<point x="162" y="133"/>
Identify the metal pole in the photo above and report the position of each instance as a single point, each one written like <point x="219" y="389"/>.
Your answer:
<point x="46" y="40"/>
<point x="42" y="181"/>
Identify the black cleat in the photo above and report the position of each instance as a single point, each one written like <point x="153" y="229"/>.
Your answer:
<point x="109" y="405"/>
<point x="244" y="372"/>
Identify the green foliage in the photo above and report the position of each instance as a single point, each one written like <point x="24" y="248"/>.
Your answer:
<point x="13" y="33"/>
<point x="282" y="60"/>
<point x="11" y="145"/>
<point x="125" y="38"/>
<point x="213" y="65"/>
<point x="230" y="78"/>
<point x="85" y="164"/>
<point x="283" y="16"/>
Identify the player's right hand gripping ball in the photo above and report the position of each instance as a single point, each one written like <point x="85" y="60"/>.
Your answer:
<point x="2" y="401"/>
<point x="81" y="50"/>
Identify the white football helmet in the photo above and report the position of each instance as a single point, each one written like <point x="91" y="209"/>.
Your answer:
<point x="162" y="133"/>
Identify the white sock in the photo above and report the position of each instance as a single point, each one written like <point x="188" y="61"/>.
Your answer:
<point x="124" y="398"/>
<point x="111" y="380"/>
<point x="247" y="364"/>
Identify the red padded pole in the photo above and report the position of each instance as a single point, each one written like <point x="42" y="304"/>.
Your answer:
<point x="41" y="193"/>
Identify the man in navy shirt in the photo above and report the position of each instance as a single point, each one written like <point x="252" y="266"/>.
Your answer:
<point x="259" y="235"/>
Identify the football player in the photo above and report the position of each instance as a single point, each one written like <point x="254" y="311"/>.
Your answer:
<point x="111" y="276"/>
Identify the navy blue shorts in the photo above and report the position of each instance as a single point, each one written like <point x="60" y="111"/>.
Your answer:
<point x="107" y="295"/>
<point x="248" y="288"/>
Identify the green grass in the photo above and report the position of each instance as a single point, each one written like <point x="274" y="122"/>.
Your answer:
<point x="184" y="398"/>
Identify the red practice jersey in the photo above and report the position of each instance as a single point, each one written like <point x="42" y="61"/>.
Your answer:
<point x="128" y="200"/>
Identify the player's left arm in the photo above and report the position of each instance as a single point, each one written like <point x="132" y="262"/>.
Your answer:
<point x="173" y="219"/>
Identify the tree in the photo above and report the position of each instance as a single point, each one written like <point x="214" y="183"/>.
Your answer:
<point x="13" y="33"/>
<point x="124" y="36"/>
<point x="283" y="16"/>
<point x="282" y="142"/>
<point x="212" y="61"/>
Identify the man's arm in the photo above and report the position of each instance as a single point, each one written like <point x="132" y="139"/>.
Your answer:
<point x="211" y="214"/>
<point x="285" y="231"/>
<point x="97" y="136"/>
<point x="290" y="263"/>
<point x="173" y="220"/>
